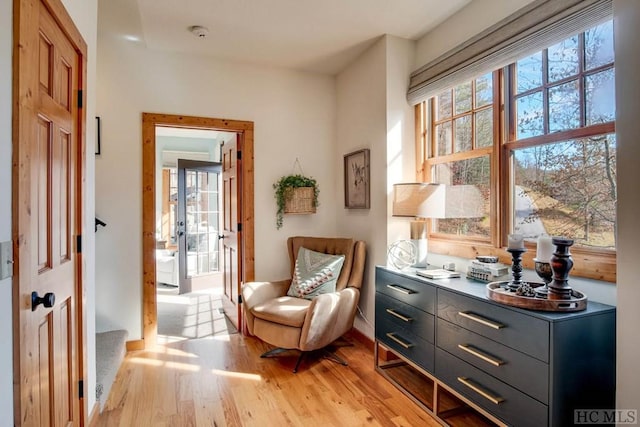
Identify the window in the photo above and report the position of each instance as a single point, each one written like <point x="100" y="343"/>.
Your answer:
<point x="537" y="139"/>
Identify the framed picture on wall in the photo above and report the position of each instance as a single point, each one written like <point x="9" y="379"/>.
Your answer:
<point x="356" y="180"/>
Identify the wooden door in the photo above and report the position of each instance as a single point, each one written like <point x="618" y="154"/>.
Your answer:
<point x="47" y="216"/>
<point x="198" y="225"/>
<point x="231" y="230"/>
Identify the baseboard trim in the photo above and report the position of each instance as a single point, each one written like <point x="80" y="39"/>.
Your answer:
<point x="94" y="415"/>
<point x="361" y="338"/>
<point x="134" y="345"/>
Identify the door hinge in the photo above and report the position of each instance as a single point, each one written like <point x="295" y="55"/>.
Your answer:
<point x="79" y="98"/>
<point x="239" y="299"/>
<point x="79" y="243"/>
<point x="239" y="226"/>
<point x="81" y="389"/>
<point x="239" y="155"/>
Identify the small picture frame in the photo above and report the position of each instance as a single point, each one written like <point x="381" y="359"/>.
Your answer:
<point x="356" y="180"/>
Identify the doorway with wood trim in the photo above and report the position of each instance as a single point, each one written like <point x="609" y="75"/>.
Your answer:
<point x="237" y="227"/>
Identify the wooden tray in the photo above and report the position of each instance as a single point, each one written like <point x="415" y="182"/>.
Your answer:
<point x="497" y="293"/>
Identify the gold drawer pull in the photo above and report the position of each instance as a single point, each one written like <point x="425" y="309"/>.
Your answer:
<point x="400" y="289"/>
<point x="398" y="315"/>
<point x="490" y="397"/>
<point x="481" y="320"/>
<point x="481" y="355"/>
<point x="392" y="335"/>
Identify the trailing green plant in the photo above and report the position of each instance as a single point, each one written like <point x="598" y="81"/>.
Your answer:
<point x="284" y="191"/>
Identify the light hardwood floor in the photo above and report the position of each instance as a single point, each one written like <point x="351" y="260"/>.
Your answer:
<point x="222" y="381"/>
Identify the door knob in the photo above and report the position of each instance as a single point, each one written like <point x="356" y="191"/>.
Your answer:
<point x="221" y="236"/>
<point x="47" y="300"/>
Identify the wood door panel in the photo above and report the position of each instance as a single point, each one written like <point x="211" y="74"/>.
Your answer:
<point x="64" y="84"/>
<point x="232" y="239"/>
<point x="62" y="170"/>
<point x="42" y="205"/>
<point x="45" y="370"/>
<point x="45" y="65"/>
<point x="64" y="363"/>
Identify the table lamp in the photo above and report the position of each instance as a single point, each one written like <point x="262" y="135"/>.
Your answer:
<point x="419" y="200"/>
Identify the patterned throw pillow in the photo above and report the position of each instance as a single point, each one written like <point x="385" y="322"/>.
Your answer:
<point x="315" y="273"/>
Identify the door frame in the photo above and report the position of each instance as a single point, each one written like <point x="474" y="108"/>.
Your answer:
<point x="244" y="129"/>
<point x="23" y="51"/>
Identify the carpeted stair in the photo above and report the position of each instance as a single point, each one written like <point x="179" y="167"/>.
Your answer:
<point x="110" y="351"/>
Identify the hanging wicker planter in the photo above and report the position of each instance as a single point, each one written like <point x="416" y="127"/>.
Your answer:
<point x="299" y="200"/>
<point x="295" y="194"/>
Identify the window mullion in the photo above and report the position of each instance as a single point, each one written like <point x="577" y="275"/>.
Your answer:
<point x="497" y="180"/>
<point x="581" y="80"/>
<point x="545" y="91"/>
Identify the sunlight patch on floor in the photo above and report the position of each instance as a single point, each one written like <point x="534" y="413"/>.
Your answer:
<point x="241" y="375"/>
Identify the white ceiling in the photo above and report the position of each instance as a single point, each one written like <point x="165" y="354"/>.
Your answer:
<point x="311" y="35"/>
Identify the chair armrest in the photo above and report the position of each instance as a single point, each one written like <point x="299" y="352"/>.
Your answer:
<point x="254" y="293"/>
<point x="329" y="317"/>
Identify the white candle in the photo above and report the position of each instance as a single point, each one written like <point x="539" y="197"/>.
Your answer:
<point x="545" y="248"/>
<point x="516" y="241"/>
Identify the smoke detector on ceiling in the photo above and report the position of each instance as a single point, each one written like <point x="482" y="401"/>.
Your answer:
<point x="199" y="31"/>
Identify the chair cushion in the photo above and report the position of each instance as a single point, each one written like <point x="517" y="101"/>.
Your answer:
<point x="315" y="273"/>
<point x="283" y="310"/>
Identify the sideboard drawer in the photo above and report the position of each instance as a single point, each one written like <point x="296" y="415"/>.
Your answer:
<point x="413" y="292"/>
<point x="523" y="372"/>
<point x="406" y="317"/>
<point x="514" y="329"/>
<point x="502" y="400"/>
<point x="405" y="343"/>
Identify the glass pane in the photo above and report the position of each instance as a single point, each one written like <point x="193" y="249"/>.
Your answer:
<point x="484" y="128"/>
<point x="463" y="134"/>
<point x="529" y="73"/>
<point x="443" y="132"/>
<point x="568" y="189"/>
<point x="564" y="106"/>
<point x="484" y="90"/>
<point x="530" y="115"/>
<point x="463" y="97"/>
<point x="472" y="175"/>
<point x="598" y="46"/>
<point x="443" y="108"/>
<point x="600" y="97"/>
<point x="563" y="59"/>
<point x="202" y="222"/>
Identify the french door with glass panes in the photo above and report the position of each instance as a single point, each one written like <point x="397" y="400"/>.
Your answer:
<point x="197" y="225"/>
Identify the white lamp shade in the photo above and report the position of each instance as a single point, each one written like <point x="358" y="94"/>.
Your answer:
<point x="464" y="201"/>
<point x="419" y="199"/>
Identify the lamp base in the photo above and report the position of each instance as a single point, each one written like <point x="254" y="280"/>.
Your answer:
<point x="421" y="253"/>
<point x="419" y="239"/>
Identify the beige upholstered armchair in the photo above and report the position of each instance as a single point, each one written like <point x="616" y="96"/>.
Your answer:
<point x="290" y="322"/>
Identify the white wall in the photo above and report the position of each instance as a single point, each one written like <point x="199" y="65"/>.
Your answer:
<point x="361" y="123"/>
<point x="372" y="112"/>
<point x="469" y="21"/>
<point x="6" y="320"/>
<point x="294" y="116"/>
<point x="627" y="34"/>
